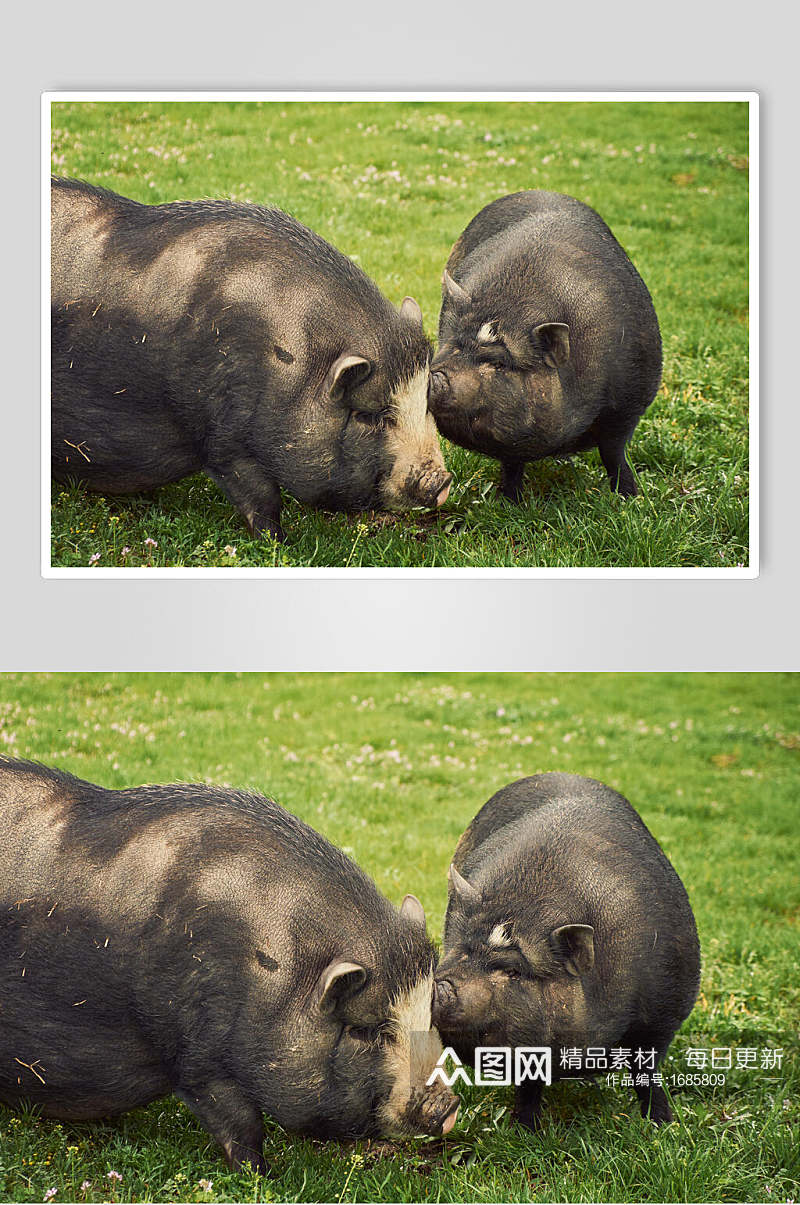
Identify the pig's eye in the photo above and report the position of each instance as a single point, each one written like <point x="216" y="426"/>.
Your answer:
<point x="496" y="356"/>
<point x="510" y="972"/>
<point x="374" y="1035"/>
<point x="363" y="1034"/>
<point x="378" y="420"/>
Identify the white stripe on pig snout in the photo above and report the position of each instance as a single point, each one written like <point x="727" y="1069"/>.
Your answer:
<point x="412" y="441"/>
<point x="410" y="404"/>
<point x="410" y="1063"/>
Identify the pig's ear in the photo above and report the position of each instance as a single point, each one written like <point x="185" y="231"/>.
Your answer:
<point x="411" y="909"/>
<point x="345" y="374"/>
<point x="575" y="944"/>
<point x="464" y="894"/>
<point x="411" y="311"/>
<point x="551" y="341"/>
<point x="453" y="292"/>
<point x="338" y="982"/>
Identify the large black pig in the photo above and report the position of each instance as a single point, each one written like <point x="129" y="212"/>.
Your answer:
<point x="229" y="338"/>
<point x="205" y="942"/>
<point x="548" y="340"/>
<point x="566" y="927"/>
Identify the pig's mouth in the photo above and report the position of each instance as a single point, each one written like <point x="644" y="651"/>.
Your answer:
<point x="473" y="431"/>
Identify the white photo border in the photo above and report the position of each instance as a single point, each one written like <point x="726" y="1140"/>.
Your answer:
<point x="750" y="571"/>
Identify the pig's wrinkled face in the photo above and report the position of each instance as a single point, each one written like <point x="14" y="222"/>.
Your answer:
<point x="389" y="443"/>
<point x="496" y="986"/>
<point x="416" y="474"/>
<point x="369" y="440"/>
<point x="498" y="392"/>
<point x="362" y="1059"/>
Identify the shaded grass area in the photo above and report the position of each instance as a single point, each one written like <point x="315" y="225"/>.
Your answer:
<point x="392" y="768"/>
<point x="393" y="185"/>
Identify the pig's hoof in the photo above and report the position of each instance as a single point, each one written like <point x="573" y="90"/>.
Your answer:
<point x="268" y="530"/>
<point x="529" y="1119"/>
<point x="512" y="492"/>
<point x="511" y="477"/>
<point x="656" y="1109"/>
<point x="250" y="1161"/>
<point x="240" y="1157"/>
<point x="624" y="483"/>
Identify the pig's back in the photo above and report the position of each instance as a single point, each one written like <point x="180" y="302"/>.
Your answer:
<point x="496" y="218"/>
<point x="567" y="258"/>
<point x="181" y="254"/>
<point x="183" y="841"/>
<point x="578" y="826"/>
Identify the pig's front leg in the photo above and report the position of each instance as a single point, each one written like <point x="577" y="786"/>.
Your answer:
<point x="528" y="1104"/>
<point x="612" y="454"/>
<point x="654" y="1104"/>
<point x="234" y="1121"/>
<point x="511" y="474"/>
<point x="251" y="491"/>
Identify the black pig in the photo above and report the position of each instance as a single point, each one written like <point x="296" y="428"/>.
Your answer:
<point x="566" y="927"/>
<point x="548" y="340"/>
<point x="229" y="338"/>
<point x="205" y="942"/>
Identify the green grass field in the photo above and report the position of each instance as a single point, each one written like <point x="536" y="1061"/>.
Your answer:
<point x="392" y="768"/>
<point x="393" y="185"/>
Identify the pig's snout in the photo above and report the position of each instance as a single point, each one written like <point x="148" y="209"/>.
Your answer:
<point x="444" y="1001"/>
<point x="438" y="389"/>
<point x="436" y="1113"/>
<point x="449" y="1118"/>
<point x="433" y="487"/>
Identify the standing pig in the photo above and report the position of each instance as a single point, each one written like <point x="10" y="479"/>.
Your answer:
<point x="205" y="942"/>
<point x="229" y="338"/>
<point x="566" y="927"/>
<point x="548" y="340"/>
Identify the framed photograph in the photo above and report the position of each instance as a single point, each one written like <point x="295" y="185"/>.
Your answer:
<point x="478" y="334"/>
<point x="399" y="937"/>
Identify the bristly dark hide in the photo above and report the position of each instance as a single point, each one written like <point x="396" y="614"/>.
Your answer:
<point x="204" y="942"/>
<point x="548" y="340"/>
<point x="566" y="927"/>
<point x="205" y="335"/>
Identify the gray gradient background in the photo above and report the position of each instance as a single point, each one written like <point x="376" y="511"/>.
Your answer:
<point x="418" y="624"/>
